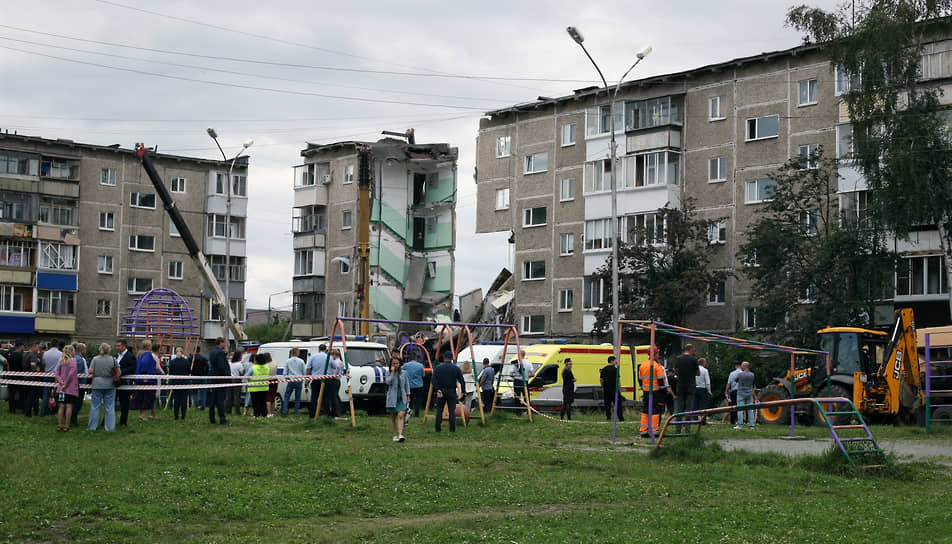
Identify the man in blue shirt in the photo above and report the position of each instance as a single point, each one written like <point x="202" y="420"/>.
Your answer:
<point x="217" y="366"/>
<point x="486" y="391"/>
<point x="316" y="364"/>
<point x="414" y="371"/>
<point x="293" y="367"/>
<point x="445" y="377"/>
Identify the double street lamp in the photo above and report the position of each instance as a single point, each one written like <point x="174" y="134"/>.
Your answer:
<point x="640" y="55"/>
<point x="228" y="229"/>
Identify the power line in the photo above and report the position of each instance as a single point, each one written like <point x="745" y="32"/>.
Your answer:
<point x="296" y="65"/>
<point x="243" y="74"/>
<point x="247" y="87"/>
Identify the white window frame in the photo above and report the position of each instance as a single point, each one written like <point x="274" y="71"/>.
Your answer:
<point x="528" y="274"/>
<point x="715" y="108"/>
<point x="529" y="320"/>
<point x="718" y="163"/>
<point x="304" y="262"/>
<point x="812" y="92"/>
<point x="595" y="291"/>
<point x="107" y="221"/>
<point x="346" y="219"/>
<point x="55" y="302"/>
<point x="173" y="230"/>
<point x="807" y="155"/>
<point x="176" y="270"/>
<point x="567" y="183"/>
<point x="134" y="280"/>
<point x="342" y="308"/>
<point x="755" y="183"/>
<point x="502" y="194"/>
<point x="107" y="177"/>
<point x="104" y="264"/>
<point x="56" y="256"/>
<point x="598" y="234"/>
<point x="843" y="82"/>
<point x="134" y="244"/>
<point x="239" y="185"/>
<point x="503" y="147"/>
<point x="349" y="173"/>
<point x="528" y="216"/>
<point x="858" y="210"/>
<point x="568" y="134"/>
<point x="344" y="267"/>
<point x="135" y="200"/>
<point x="103" y="307"/>
<point x="717" y="232"/>
<point x="532" y="162"/>
<point x="567" y="244"/>
<point x="566" y="300"/>
<point x="717" y="297"/>
<point x="750" y="259"/>
<point x="12" y="297"/>
<point x="749" y="318"/>
<point x="757" y="122"/>
<point x="809" y="222"/>
<point x="177" y="184"/>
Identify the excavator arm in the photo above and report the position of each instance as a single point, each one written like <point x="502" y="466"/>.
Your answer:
<point x="900" y="369"/>
<point x="194" y="252"/>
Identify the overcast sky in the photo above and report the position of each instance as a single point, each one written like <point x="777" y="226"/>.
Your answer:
<point x="91" y="71"/>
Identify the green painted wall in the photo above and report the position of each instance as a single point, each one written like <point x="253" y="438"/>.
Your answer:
<point x="442" y="238"/>
<point x="384" y="307"/>
<point x="443" y="189"/>
<point x="393" y="219"/>
<point x="441" y="283"/>
<point x="394" y="266"/>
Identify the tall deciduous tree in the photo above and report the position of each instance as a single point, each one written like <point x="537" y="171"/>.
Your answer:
<point x="901" y="137"/>
<point x="663" y="268"/>
<point x="811" y="265"/>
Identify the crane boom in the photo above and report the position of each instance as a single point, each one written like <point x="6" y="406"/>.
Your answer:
<point x="193" y="250"/>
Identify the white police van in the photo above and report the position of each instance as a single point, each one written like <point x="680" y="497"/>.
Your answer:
<point x="368" y="367"/>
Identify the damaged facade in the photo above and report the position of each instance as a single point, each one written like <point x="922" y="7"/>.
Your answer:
<point x="411" y="225"/>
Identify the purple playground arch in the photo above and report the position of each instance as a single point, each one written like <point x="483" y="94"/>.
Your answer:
<point x="163" y="316"/>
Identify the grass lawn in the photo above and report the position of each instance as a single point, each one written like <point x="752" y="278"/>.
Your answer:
<point x="290" y="480"/>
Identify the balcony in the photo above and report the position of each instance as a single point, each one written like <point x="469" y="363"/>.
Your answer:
<point x="59" y="169"/>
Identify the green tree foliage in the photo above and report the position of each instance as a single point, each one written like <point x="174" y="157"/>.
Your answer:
<point x="901" y="138"/>
<point x="811" y="266"/>
<point x="664" y="274"/>
<point x="275" y="331"/>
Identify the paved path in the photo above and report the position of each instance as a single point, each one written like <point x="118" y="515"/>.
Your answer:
<point x="906" y="450"/>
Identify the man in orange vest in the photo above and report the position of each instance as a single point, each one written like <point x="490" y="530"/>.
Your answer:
<point x="653" y="381"/>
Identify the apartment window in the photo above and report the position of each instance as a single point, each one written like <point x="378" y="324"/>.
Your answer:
<point x="717" y="232"/>
<point x="173" y="230"/>
<point x="214" y="312"/>
<point x="568" y="134"/>
<point x="502" y="198"/>
<point x="57" y="212"/>
<point x="759" y="128"/>
<point x="844" y="141"/>
<point x="808" y="92"/>
<point x="17" y="163"/>
<point x="537" y="162"/>
<point x="844" y="81"/>
<point x="533" y="270"/>
<point x="648" y="169"/>
<point x="58" y="256"/>
<point x="717" y="108"/>
<point x="345" y="219"/>
<point x="239" y="185"/>
<point x="176" y="271"/>
<point x="303" y="262"/>
<point x="598" y="120"/>
<point x="598" y="176"/>
<point x="342" y="308"/>
<point x="808" y="155"/>
<point x="598" y="234"/>
<point x="237" y="268"/>
<point x="594" y="292"/>
<point x="66" y="169"/>
<point x="107" y="176"/>
<point x="309" y="219"/>
<point x="142" y="200"/>
<point x="533" y="217"/>
<point x="533" y="324"/>
<point x="349" y="173"/>
<point x="15" y="298"/>
<point x="104" y="264"/>
<point x="219" y="228"/>
<point x="221" y="181"/>
<point x="303" y="177"/>
<point x="567" y="189"/>
<point x="308" y="307"/>
<point x="16" y="206"/>
<point x="808" y="294"/>
<point x="717" y="169"/>
<point x="643" y="229"/>
<point x="55" y="302"/>
<point x="750" y="318"/>
<point x="103" y="307"/>
<point x="503" y="146"/>
<point x="760" y="190"/>
<point x="853" y="207"/>
<point x="142" y="242"/>
<point x="809" y="222"/>
<point x="750" y="258"/>
<point x="16" y="254"/>
<point x="107" y="221"/>
<point x="344" y="266"/>
<point x="566" y="243"/>
<point x="566" y="300"/>
<point x="923" y="275"/>
<point x="716" y="292"/>
<point x="138" y="286"/>
<point x="650" y="113"/>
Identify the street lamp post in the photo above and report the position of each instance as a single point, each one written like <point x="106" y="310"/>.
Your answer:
<point x="231" y="167"/>
<point x="642" y="53"/>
